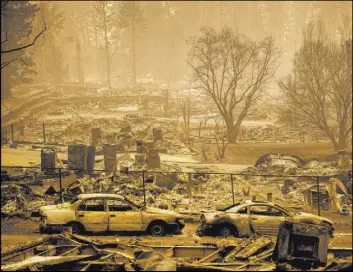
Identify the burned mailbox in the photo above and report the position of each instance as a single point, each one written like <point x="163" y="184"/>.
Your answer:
<point x="301" y="242"/>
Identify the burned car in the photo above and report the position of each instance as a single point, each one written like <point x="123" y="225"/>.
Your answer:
<point x="244" y="219"/>
<point x="108" y="212"/>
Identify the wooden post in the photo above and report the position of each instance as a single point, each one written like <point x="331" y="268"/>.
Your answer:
<point x="200" y="129"/>
<point x="43" y="132"/>
<point x="189" y="187"/>
<point x="166" y="101"/>
<point x="318" y="196"/>
<point x="12" y="133"/>
<point x="61" y="189"/>
<point x="231" y="179"/>
<point x="253" y="198"/>
<point x="144" y="188"/>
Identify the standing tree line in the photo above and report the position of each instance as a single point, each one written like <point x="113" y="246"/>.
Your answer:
<point x="318" y="92"/>
<point x="76" y="41"/>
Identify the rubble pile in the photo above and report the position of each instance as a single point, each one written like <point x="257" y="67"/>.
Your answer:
<point x="299" y="181"/>
<point x="257" y="253"/>
<point x="19" y="199"/>
<point x="279" y="134"/>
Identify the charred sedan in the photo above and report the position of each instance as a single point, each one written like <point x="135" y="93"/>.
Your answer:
<point x="244" y="219"/>
<point x="109" y="212"/>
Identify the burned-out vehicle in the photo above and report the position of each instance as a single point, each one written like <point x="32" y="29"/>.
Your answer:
<point x="246" y="218"/>
<point x="108" y="212"/>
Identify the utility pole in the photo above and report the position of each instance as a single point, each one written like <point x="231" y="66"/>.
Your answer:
<point x="106" y="45"/>
<point x="79" y="66"/>
<point x="133" y="51"/>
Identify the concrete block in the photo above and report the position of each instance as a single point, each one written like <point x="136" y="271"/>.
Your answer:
<point x="77" y="157"/>
<point x="91" y="158"/>
<point x="157" y="134"/>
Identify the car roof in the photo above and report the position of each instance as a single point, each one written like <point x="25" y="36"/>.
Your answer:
<point x="258" y="202"/>
<point x="98" y="195"/>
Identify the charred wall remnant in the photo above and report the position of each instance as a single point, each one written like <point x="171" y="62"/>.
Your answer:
<point x="109" y="157"/>
<point x="48" y="158"/>
<point x="153" y="160"/>
<point x="91" y="158"/>
<point x="96" y="136"/>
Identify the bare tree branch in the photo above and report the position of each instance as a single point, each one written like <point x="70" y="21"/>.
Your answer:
<point x="233" y="71"/>
<point x="3" y="5"/>
<point x="319" y="91"/>
<point x="4" y="64"/>
<point x="28" y="45"/>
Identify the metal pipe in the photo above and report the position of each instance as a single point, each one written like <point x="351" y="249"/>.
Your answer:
<point x="231" y="179"/>
<point x="12" y="132"/>
<point x="318" y="196"/>
<point x="43" y="132"/>
<point x="61" y="189"/>
<point x="144" y="188"/>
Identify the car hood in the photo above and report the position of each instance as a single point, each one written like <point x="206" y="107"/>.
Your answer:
<point x="63" y="206"/>
<point x="304" y="215"/>
<point x="161" y="211"/>
<point x="212" y="216"/>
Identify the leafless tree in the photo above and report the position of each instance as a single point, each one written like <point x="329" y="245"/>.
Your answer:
<point x="234" y="71"/>
<point x="319" y="90"/>
<point x="220" y="135"/>
<point x="188" y="107"/>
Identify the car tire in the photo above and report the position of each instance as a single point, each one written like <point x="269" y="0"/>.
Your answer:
<point x="157" y="229"/>
<point x="227" y="231"/>
<point x="42" y="230"/>
<point x="76" y="228"/>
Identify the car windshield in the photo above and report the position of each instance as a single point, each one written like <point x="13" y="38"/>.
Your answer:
<point x="228" y="208"/>
<point x="73" y="201"/>
<point x="288" y="211"/>
<point x="132" y="203"/>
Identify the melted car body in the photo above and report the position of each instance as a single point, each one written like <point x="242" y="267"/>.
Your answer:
<point x="108" y="212"/>
<point x="244" y="219"/>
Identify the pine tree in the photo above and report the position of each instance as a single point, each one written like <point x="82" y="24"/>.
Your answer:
<point x="131" y="15"/>
<point x="105" y="14"/>
<point x="18" y="35"/>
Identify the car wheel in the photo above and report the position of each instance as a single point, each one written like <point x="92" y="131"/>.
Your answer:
<point x="42" y="230"/>
<point x="227" y="231"/>
<point x="76" y="228"/>
<point x="157" y="229"/>
<point x="200" y="232"/>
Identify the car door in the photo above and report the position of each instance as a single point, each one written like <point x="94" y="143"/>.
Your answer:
<point x="92" y="214"/>
<point x="240" y="218"/>
<point x="123" y="216"/>
<point x="265" y="219"/>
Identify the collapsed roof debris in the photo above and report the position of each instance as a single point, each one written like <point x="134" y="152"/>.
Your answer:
<point x="81" y="254"/>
